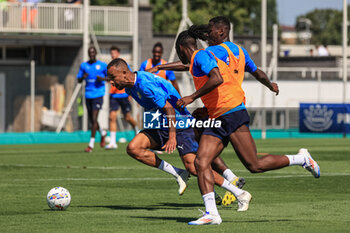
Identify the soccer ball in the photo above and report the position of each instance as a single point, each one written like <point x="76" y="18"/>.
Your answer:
<point x="58" y="198"/>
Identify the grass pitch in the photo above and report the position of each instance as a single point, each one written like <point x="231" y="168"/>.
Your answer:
<point x="111" y="192"/>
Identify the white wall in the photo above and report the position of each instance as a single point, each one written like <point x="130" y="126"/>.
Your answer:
<point x="294" y="92"/>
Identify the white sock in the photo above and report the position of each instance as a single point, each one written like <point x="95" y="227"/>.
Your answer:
<point x="103" y="132"/>
<point x="296" y="159"/>
<point x="229" y="175"/>
<point x="113" y="139"/>
<point x="92" y="142"/>
<point x="231" y="188"/>
<point x="167" y="167"/>
<point x="209" y="202"/>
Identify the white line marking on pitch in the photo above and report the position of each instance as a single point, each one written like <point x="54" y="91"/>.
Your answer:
<point x="142" y="167"/>
<point x="73" y="167"/>
<point x="165" y="178"/>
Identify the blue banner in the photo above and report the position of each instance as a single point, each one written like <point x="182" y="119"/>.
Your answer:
<point x="320" y="117"/>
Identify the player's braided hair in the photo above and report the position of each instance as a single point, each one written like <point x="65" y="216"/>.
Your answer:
<point x="184" y="39"/>
<point x="199" y="31"/>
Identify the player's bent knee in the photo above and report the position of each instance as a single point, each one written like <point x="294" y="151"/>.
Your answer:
<point x="201" y="164"/>
<point x="132" y="149"/>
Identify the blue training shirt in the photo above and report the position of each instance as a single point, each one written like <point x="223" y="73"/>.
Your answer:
<point x="203" y="63"/>
<point x="169" y="74"/>
<point x="152" y="92"/>
<point x="93" y="88"/>
<point x="221" y="53"/>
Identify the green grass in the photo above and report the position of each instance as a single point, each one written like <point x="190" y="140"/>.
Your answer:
<point x="113" y="193"/>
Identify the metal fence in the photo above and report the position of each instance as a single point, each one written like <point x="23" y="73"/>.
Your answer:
<point x="64" y="18"/>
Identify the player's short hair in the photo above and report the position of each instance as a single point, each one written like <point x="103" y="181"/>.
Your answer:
<point x="158" y="44"/>
<point x="221" y="20"/>
<point x="118" y="63"/>
<point x="92" y="47"/>
<point x="115" y="48"/>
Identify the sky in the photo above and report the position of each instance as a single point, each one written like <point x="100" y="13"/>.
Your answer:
<point x="288" y="10"/>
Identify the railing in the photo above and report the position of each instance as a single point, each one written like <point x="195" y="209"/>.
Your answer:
<point x="64" y="18"/>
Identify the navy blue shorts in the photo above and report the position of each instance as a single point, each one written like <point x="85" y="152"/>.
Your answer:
<point x="229" y="124"/>
<point x="124" y="103"/>
<point x="186" y="142"/>
<point x="94" y="104"/>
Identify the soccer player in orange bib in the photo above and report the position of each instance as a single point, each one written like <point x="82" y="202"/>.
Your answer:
<point x="222" y="94"/>
<point x="157" y="60"/>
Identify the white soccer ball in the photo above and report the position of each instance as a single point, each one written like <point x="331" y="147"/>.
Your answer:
<point x="58" y="198"/>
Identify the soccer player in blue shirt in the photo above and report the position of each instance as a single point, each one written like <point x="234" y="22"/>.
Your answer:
<point x="94" y="73"/>
<point x="118" y="98"/>
<point x="159" y="96"/>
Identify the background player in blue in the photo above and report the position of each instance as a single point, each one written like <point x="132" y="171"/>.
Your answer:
<point x="154" y="93"/>
<point x="157" y="60"/>
<point x="94" y="73"/>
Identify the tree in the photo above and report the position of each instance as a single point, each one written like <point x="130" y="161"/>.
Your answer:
<point x="245" y="15"/>
<point x="326" y="26"/>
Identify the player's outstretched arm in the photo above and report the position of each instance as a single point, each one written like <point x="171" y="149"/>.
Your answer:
<point x="175" y="66"/>
<point x="170" y="145"/>
<point x="262" y="77"/>
<point x="99" y="78"/>
<point x="215" y="80"/>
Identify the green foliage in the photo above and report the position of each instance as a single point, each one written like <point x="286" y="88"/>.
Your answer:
<point x="166" y="15"/>
<point x="326" y="26"/>
<point x="245" y="15"/>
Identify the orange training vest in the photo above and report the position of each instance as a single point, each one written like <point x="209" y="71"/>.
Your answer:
<point x="233" y="63"/>
<point x="115" y="90"/>
<point x="161" y="73"/>
<point x="230" y="93"/>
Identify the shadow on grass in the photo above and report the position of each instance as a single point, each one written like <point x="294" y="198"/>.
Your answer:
<point x="160" y="206"/>
<point x="122" y="207"/>
<point x="177" y="219"/>
<point x="186" y="220"/>
<point x="181" y="205"/>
